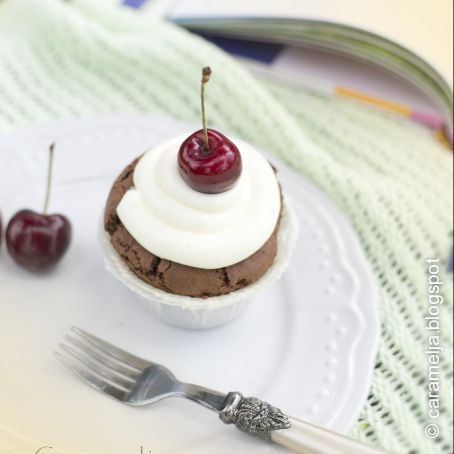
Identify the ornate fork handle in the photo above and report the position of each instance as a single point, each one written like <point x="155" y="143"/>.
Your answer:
<point x="256" y="417"/>
<point x="253" y="415"/>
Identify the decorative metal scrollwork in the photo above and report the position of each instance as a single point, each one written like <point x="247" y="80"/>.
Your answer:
<point x="253" y="415"/>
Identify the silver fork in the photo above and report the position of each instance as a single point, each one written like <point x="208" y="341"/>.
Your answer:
<point x="136" y="381"/>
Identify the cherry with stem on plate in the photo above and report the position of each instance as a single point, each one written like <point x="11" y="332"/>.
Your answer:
<point x="209" y="162"/>
<point x="37" y="241"/>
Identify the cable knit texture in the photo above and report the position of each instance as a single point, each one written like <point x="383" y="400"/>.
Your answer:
<point x="389" y="177"/>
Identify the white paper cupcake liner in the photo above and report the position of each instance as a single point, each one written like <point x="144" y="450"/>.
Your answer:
<point x="202" y="313"/>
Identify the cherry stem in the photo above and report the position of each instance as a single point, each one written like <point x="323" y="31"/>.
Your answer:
<point x="206" y="73"/>
<point x="49" y="178"/>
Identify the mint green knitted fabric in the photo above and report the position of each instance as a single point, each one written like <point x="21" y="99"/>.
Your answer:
<point x="391" y="179"/>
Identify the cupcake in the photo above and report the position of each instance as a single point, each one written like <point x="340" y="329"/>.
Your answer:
<point x="197" y="225"/>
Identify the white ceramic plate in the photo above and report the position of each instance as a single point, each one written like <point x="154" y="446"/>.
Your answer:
<point x="306" y="345"/>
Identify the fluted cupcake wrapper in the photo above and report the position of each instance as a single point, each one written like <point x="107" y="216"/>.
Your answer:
<point x="202" y="313"/>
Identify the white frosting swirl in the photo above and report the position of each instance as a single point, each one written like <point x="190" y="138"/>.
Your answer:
<point x="177" y="223"/>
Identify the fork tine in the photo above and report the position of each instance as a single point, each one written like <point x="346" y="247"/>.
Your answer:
<point x="98" y="369"/>
<point x="126" y="372"/>
<point x="116" y="353"/>
<point x="90" y="378"/>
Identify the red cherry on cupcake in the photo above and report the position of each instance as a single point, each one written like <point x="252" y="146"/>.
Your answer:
<point x="38" y="241"/>
<point x="207" y="160"/>
<point x="210" y="169"/>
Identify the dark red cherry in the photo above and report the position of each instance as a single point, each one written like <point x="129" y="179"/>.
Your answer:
<point x="207" y="160"/>
<point x="37" y="241"/>
<point x="211" y="169"/>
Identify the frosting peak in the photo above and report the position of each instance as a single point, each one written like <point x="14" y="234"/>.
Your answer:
<point x="177" y="223"/>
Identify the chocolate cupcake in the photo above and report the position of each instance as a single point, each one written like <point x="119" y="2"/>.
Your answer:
<point x="192" y="256"/>
<point x="197" y="225"/>
<point x="171" y="276"/>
